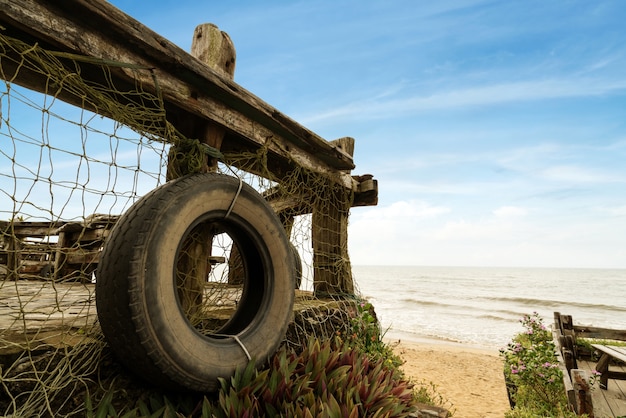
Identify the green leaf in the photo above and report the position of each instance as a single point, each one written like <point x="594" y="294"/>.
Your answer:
<point x="131" y="414"/>
<point x="143" y="409"/>
<point x="105" y="409"/>
<point x="207" y="409"/>
<point x="88" y="406"/>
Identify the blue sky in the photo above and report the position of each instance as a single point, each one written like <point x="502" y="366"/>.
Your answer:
<point x="496" y="129"/>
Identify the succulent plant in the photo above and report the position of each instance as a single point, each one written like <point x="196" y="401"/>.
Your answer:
<point x="327" y="379"/>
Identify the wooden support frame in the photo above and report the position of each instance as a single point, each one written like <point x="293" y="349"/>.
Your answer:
<point x="192" y="92"/>
<point x="13" y="234"/>
<point x="202" y="102"/>
<point x="55" y="250"/>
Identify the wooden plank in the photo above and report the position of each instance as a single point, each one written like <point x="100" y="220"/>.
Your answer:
<point x="619" y="389"/>
<point x="610" y="402"/>
<point x="29" y="229"/>
<point x="82" y="257"/>
<point x="189" y="88"/>
<point x="214" y="48"/>
<point x="567" y="323"/>
<point x="616" y="397"/>
<point x="615" y="351"/>
<point x="366" y="193"/>
<point x="32" y="312"/>
<point x="13" y="251"/>
<point x="600" y="333"/>
<point x="567" y="381"/>
<point x="332" y="272"/>
<point x="557" y="321"/>
<point x="609" y="353"/>
<point x="38" y="314"/>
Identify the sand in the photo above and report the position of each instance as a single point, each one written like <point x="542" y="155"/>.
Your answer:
<point x="469" y="378"/>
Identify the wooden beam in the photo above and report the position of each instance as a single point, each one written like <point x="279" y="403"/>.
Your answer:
<point x="189" y="88"/>
<point x="599" y="333"/>
<point x="22" y="229"/>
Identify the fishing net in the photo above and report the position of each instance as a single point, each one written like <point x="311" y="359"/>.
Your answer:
<point x="67" y="174"/>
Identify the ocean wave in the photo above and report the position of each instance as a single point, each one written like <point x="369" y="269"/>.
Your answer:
<point x="470" y="310"/>
<point x="485" y="305"/>
<point x="412" y="301"/>
<point x="549" y="303"/>
<point x="534" y="304"/>
<point x="500" y="318"/>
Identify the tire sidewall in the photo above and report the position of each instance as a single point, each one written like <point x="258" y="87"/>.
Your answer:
<point x="187" y="357"/>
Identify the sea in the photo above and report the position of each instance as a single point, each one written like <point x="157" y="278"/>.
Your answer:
<point x="483" y="306"/>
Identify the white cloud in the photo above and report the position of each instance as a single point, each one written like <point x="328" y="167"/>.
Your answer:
<point x="419" y="233"/>
<point x="510" y="212"/>
<point x="578" y="174"/>
<point x="614" y="210"/>
<point x="489" y="95"/>
<point x="402" y="211"/>
<point x="495" y="229"/>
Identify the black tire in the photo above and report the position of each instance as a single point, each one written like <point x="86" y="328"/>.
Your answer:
<point x="141" y="303"/>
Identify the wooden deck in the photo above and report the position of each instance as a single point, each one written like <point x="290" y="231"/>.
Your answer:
<point x="611" y="402"/>
<point x="578" y="363"/>
<point x="37" y="314"/>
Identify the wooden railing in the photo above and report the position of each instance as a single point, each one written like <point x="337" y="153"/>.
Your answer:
<point x="576" y="379"/>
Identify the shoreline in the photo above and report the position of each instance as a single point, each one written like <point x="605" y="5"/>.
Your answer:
<point x="468" y="378"/>
<point x="392" y="336"/>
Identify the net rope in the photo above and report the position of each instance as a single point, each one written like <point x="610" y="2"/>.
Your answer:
<point x="66" y="176"/>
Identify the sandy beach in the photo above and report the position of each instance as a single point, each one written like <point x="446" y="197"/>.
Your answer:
<point x="470" y="379"/>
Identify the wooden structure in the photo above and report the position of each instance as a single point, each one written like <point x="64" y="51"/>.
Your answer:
<point x="34" y="318"/>
<point x="609" y="353"/>
<point x="579" y="364"/>
<point x="53" y="250"/>
<point x="200" y="101"/>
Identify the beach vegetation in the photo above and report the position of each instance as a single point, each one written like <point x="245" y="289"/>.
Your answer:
<point x="534" y="379"/>
<point x="352" y="374"/>
<point x="330" y="378"/>
<point x="366" y="334"/>
<point x="326" y="379"/>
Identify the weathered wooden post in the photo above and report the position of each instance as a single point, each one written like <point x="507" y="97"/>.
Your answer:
<point x="13" y="256"/>
<point x="332" y="272"/>
<point x="582" y="389"/>
<point x="329" y="201"/>
<point x="214" y="48"/>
